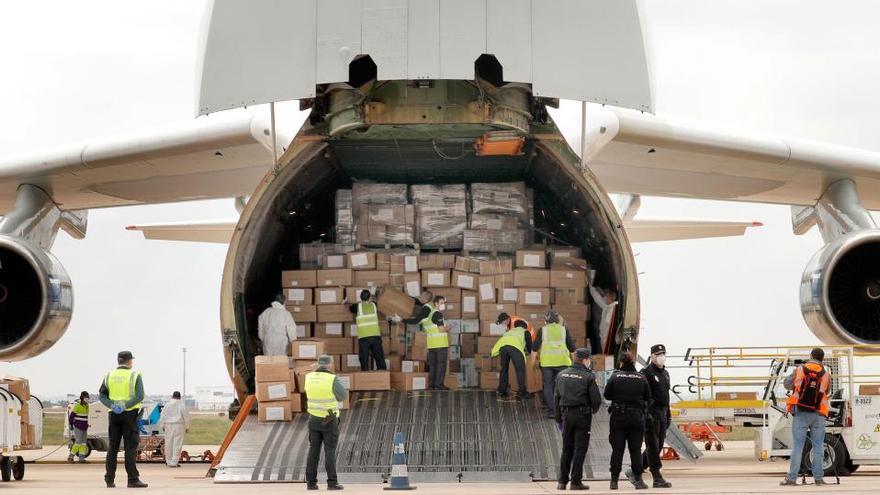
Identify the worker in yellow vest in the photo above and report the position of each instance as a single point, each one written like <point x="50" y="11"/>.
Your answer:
<point x="513" y="346"/>
<point x="123" y="391"/>
<point x="555" y="345"/>
<point x="430" y="319"/>
<point x="78" y="422"/>
<point x="369" y="332"/>
<point x="324" y="393"/>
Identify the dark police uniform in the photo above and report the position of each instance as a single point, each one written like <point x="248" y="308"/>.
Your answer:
<point x="658" y="418"/>
<point x="576" y="399"/>
<point x="630" y="395"/>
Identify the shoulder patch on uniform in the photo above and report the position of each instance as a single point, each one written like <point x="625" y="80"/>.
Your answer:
<point x="656" y="378"/>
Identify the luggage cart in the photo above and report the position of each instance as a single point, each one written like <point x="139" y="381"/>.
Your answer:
<point x="12" y="465"/>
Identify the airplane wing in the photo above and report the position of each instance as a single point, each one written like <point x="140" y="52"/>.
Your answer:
<point x="666" y="229"/>
<point x="219" y="231"/>
<point x="218" y="156"/>
<point x="638" y="153"/>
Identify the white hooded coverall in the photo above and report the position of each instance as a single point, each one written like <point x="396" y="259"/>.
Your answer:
<point x="175" y="421"/>
<point x="607" y="315"/>
<point x="276" y="328"/>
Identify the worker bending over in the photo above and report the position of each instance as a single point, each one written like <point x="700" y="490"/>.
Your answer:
<point x="629" y="393"/>
<point x="123" y="392"/>
<point x="576" y="400"/>
<point x="555" y="345"/>
<point x="809" y="402"/>
<point x="324" y="393"/>
<point x="276" y="328"/>
<point x="513" y="346"/>
<point x="175" y="422"/>
<point x="369" y="332"/>
<point x="78" y="422"/>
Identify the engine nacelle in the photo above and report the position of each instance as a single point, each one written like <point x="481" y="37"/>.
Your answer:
<point x="840" y="290"/>
<point x="36" y="299"/>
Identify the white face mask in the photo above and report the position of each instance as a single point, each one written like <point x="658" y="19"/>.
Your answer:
<point x="441" y="307"/>
<point x="659" y="360"/>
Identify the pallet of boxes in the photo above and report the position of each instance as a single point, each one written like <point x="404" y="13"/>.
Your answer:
<point x="473" y="244"/>
<point x="21" y="388"/>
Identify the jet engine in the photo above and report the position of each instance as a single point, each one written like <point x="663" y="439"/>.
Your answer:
<point x="36" y="299"/>
<point x="840" y="290"/>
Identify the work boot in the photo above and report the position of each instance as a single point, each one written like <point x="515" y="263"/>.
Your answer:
<point x="441" y="387"/>
<point x="630" y="476"/>
<point x="788" y="482"/>
<point x="109" y="482"/>
<point x="613" y="484"/>
<point x="577" y="485"/>
<point x="640" y="484"/>
<point x="659" y="482"/>
<point x="334" y="486"/>
<point x="820" y="482"/>
<point x="311" y="486"/>
<point x="560" y="486"/>
<point x="70" y="458"/>
<point x="137" y="484"/>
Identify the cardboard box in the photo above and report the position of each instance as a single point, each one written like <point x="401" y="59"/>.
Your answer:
<point x="577" y="328"/>
<point x="503" y="281"/>
<point x="306" y="350"/>
<point x="269" y="368"/>
<point x="465" y="280"/>
<point x="490" y="312"/>
<point x="468" y="345"/>
<point x="531" y="259"/>
<point x="304" y="330"/>
<point x="534" y="383"/>
<point x="418" y="351"/>
<point x="451" y="294"/>
<point x="867" y="389"/>
<point x="306" y="313"/>
<point x="272" y="391"/>
<point x="569" y="263"/>
<point x="404" y="263"/>
<point x="496" y="267"/>
<point x="298" y="296"/>
<point x="362" y="261"/>
<point x="336" y="346"/>
<point x="347" y="380"/>
<point x="436" y="261"/>
<point x="463" y="264"/>
<point x="485" y="344"/>
<point x="350" y="362"/>
<point x="470" y="326"/>
<point x="353" y="294"/>
<point x="569" y="296"/>
<point x="298" y="278"/>
<point x="450" y="381"/>
<point x="18" y="386"/>
<point x="492" y="329"/>
<point x="489" y="380"/>
<point x="602" y="362"/>
<point x="533" y="313"/>
<point x="568" y="279"/>
<point x="530" y="277"/>
<point x="488" y="363"/>
<point x="329" y="295"/>
<point x="342" y="277"/>
<point x="533" y="297"/>
<point x="275" y="411"/>
<point x="297" y="402"/>
<point x="470" y="304"/>
<point x="563" y="252"/>
<point x="371" y="380"/>
<point x="335" y="312"/>
<point x="410" y="366"/>
<point x="408" y="381"/>
<point x="333" y="261"/>
<point x="508" y="295"/>
<point x="573" y="312"/>
<point x="371" y="278"/>
<point x="452" y="311"/>
<point x="394" y="302"/>
<point x="486" y="289"/>
<point x="742" y="395"/>
<point x="436" y="278"/>
<point x="325" y="330"/>
<point x="392" y="363"/>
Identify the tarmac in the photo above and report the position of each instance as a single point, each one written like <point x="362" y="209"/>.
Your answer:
<point x="733" y="470"/>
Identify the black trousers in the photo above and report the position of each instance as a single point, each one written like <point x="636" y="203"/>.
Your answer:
<point x="655" y="435"/>
<point x="437" y="360"/>
<point x="123" y="429"/>
<point x="627" y="431"/>
<point x="326" y="434"/>
<point x="506" y="355"/>
<point x="576" y="423"/>
<point x="548" y="376"/>
<point x="371" y="347"/>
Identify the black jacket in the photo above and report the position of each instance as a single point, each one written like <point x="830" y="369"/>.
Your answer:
<point x="628" y="387"/>
<point x="658" y="379"/>
<point x="576" y="387"/>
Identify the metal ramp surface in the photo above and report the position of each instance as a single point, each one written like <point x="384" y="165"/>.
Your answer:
<point x="466" y="435"/>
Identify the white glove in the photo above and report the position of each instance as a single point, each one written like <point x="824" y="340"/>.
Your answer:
<point x="396" y="319"/>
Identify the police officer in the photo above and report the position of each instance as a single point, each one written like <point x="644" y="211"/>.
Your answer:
<point x="659" y="415"/>
<point x="576" y="400"/>
<point x="123" y="391"/>
<point x="323" y="395"/>
<point x="630" y="395"/>
<point x="369" y="332"/>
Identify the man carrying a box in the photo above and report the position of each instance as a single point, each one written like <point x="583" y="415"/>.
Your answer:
<point x="324" y="392"/>
<point x="276" y="328"/>
<point x="369" y="332"/>
<point x="555" y="344"/>
<point x="514" y="345"/>
<point x="430" y="318"/>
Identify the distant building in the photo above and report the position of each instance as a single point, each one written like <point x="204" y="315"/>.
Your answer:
<point x="214" y="398"/>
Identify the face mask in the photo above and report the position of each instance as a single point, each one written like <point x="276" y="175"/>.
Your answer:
<point x="441" y="307"/>
<point x="659" y="360"/>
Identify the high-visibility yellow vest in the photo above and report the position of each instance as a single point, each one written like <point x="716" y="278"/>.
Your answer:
<point x="121" y="384"/>
<point x="515" y="337"/>
<point x="320" y="398"/>
<point x="367" y="320"/>
<point x="437" y="337"/>
<point x="554" y="352"/>
<point x="80" y="411"/>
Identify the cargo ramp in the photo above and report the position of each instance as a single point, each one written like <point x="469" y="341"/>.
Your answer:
<point x="466" y="436"/>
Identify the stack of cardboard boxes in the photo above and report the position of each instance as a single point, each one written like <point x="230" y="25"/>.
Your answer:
<point x="21" y="388"/>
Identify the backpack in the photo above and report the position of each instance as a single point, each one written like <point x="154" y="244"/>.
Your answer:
<point x="810" y="394"/>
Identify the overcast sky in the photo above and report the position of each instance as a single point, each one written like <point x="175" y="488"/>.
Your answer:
<point x="75" y="70"/>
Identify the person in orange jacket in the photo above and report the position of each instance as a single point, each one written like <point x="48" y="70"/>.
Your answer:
<point x="809" y="403"/>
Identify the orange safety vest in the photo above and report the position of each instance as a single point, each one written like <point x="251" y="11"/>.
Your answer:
<point x="512" y="323"/>
<point x="802" y="398"/>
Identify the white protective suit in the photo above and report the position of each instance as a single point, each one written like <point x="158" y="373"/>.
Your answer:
<point x="276" y="329"/>
<point x="607" y="315"/>
<point x="175" y="421"/>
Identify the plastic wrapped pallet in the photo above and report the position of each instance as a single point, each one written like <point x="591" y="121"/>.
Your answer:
<point x="441" y="215"/>
<point x="381" y="225"/>
<point x="509" y="198"/>
<point x="344" y="217"/>
<point x="499" y="241"/>
<point x="365" y="194"/>
<point x="311" y="254"/>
